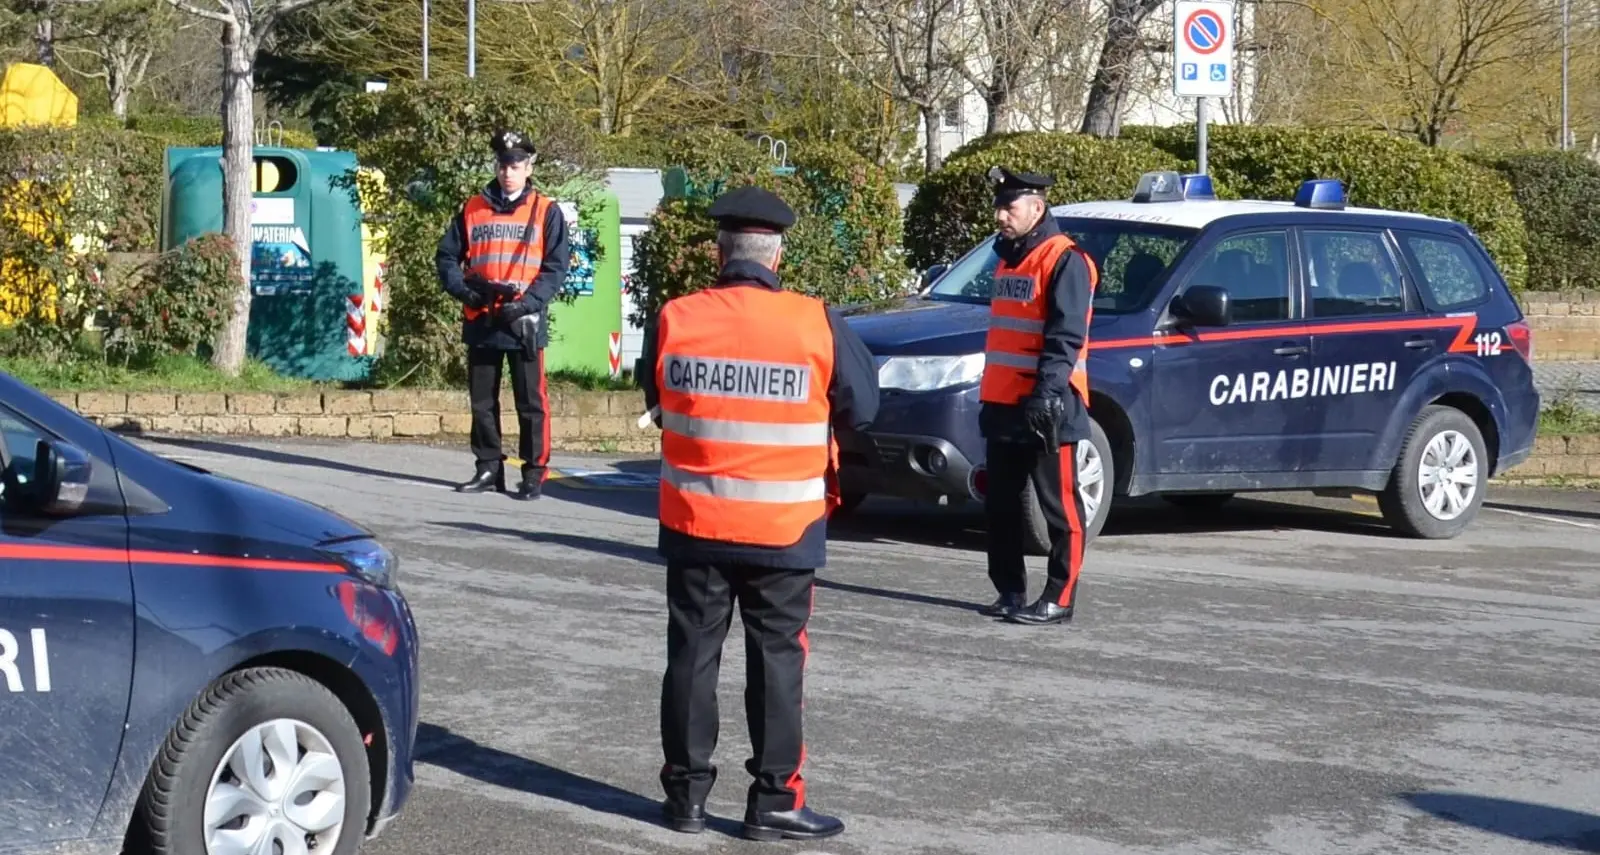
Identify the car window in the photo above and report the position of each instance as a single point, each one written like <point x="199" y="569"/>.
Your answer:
<point x="1132" y="259"/>
<point x="1448" y="273"/>
<point x="18" y="444"/>
<point x="1352" y="273"/>
<point x="1254" y="268"/>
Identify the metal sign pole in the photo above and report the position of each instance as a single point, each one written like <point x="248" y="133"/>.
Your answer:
<point x="1202" y="61"/>
<point x="424" y="39"/>
<point x="1200" y="133"/>
<point x="1565" y="50"/>
<point x="472" y="38"/>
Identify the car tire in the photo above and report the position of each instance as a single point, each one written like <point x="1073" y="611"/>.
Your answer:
<point x="1444" y="442"/>
<point x="254" y="713"/>
<point x="1096" y="460"/>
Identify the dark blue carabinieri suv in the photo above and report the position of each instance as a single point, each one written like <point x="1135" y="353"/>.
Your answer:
<point x="188" y="663"/>
<point x="1236" y="346"/>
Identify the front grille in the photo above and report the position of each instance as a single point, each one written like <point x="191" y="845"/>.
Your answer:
<point x="891" y="452"/>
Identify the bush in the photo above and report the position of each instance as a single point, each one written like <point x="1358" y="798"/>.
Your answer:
<point x="844" y="246"/>
<point x="1559" y="193"/>
<point x="1265" y="162"/>
<point x="195" y="131"/>
<point x="174" y="304"/>
<point x="429" y="143"/>
<point x="953" y="208"/>
<point x="70" y="197"/>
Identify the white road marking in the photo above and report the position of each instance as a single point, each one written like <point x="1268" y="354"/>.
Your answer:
<point x="1543" y="518"/>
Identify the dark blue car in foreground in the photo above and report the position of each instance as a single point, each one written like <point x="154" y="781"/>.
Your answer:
<point x="1236" y="346"/>
<point x="188" y="663"/>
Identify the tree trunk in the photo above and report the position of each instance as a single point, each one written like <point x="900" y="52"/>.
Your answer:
<point x="930" y="129"/>
<point x="44" y="40"/>
<point x="1102" y="116"/>
<point x="238" y="144"/>
<point x="998" y="99"/>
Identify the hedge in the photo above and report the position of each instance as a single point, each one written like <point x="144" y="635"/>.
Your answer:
<point x="843" y="248"/>
<point x="1559" y="194"/>
<point x="953" y="208"/>
<point x="1378" y="170"/>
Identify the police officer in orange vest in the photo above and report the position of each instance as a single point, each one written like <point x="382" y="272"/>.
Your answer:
<point x="748" y="383"/>
<point x="1034" y="396"/>
<point x="512" y="241"/>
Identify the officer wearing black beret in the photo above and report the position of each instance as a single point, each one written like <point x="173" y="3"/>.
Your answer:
<point x="748" y="383"/>
<point x="1034" y="396"/>
<point x="504" y="258"/>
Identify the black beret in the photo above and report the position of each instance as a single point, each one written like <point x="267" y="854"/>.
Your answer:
<point x="751" y="209"/>
<point x="1010" y="186"/>
<point x="510" y="146"/>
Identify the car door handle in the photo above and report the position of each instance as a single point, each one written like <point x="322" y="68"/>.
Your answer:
<point x="1290" y="349"/>
<point x="1419" y="343"/>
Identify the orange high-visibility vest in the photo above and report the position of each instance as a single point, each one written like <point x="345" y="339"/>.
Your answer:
<point x="747" y="454"/>
<point x="495" y="249"/>
<point x="1016" y="324"/>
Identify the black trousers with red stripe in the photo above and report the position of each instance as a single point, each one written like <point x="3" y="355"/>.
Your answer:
<point x="1054" y="477"/>
<point x="531" y="394"/>
<point x="775" y="606"/>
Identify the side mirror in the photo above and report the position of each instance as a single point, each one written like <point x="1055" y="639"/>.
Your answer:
<point x="60" y="478"/>
<point x="1204" y="306"/>
<point x="933" y="273"/>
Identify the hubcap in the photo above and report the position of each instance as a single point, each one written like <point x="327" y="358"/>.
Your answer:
<point x="279" y="790"/>
<point x="1447" y="475"/>
<point x="1091" y="479"/>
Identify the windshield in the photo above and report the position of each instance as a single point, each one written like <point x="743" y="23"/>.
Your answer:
<point x="1132" y="257"/>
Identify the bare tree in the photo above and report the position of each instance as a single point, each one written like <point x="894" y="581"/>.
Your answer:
<point x="1020" y="45"/>
<point x="922" y="42"/>
<point x="245" y="24"/>
<point x="1119" y="58"/>
<point x="113" y="41"/>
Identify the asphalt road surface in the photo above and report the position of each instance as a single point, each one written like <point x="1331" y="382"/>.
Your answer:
<point x="1275" y="678"/>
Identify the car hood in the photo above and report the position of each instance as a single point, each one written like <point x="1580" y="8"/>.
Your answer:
<point x="914" y="325"/>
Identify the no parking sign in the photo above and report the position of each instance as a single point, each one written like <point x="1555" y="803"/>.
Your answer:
<point x="1202" y="49"/>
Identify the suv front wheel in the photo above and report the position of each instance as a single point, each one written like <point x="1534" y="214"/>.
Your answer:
<point x="1437" y="484"/>
<point x="1095" y="472"/>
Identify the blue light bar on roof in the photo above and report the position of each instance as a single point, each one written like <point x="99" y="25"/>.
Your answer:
<point x="1322" y="193"/>
<point x="1198" y="186"/>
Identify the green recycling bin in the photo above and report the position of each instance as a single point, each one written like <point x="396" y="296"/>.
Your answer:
<point x="309" y="288"/>
<point x="586" y="333"/>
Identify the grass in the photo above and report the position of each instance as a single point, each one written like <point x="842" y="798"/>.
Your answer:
<point x="189" y="374"/>
<point x="1565" y="417"/>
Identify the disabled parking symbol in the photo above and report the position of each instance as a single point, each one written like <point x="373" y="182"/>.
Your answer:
<point x="1219" y="72"/>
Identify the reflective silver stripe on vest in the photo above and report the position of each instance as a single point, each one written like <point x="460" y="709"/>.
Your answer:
<point x="1011" y="360"/>
<point x="1017" y="324"/>
<point x="724" y="487"/>
<point x="754" y="433"/>
<point x="488" y="258"/>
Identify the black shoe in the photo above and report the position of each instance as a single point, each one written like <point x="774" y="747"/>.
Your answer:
<point x="483" y="481"/>
<point x="689" y="819"/>
<point x="529" y="490"/>
<point x="1042" y="611"/>
<point x="802" y="824"/>
<point x="1006" y="604"/>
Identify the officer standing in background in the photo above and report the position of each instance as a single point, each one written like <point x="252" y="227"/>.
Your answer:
<point x="512" y="241"/>
<point x="747" y="382"/>
<point x="1034" y="396"/>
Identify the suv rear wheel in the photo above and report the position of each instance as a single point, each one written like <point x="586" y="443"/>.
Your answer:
<point x="1095" y="470"/>
<point x="1437" y="484"/>
<point x="265" y="760"/>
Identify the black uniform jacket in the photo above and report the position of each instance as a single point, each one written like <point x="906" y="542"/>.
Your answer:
<point x="1066" y="326"/>
<point x="852" y="399"/>
<point x="489" y="330"/>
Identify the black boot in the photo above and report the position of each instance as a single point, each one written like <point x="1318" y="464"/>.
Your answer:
<point x="1005" y="605"/>
<point x="684" y="817"/>
<point x="487" y="477"/>
<point x="802" y="824"/>
<point x="532" y="487"/>
<point x="1042" y="611"/>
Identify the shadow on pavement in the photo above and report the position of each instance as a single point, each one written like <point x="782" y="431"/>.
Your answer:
<point x="437" y="746"/>
<point x="270" y="456"/>
<point x="1534" y="823"/>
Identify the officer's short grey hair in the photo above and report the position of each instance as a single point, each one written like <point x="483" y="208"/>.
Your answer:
<point x="758" y="247"/>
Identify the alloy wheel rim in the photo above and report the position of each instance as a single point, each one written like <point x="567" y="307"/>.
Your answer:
<point x="279" y="790"/>
<point x="1447" y="475"/>
<point x="1091" y="479"/>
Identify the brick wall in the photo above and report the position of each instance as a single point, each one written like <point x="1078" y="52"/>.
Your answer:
<point x="580" y="421"/>
<point x="1566" y="325"/>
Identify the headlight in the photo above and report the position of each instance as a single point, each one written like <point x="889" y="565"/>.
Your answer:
<point x="926" y="373"/>
<point x="369" y="559"/>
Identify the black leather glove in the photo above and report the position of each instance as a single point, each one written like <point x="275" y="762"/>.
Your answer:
<point x="475" y="299"/>
<point x="513" y="311"/>
<point x="1044" y="419"/>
